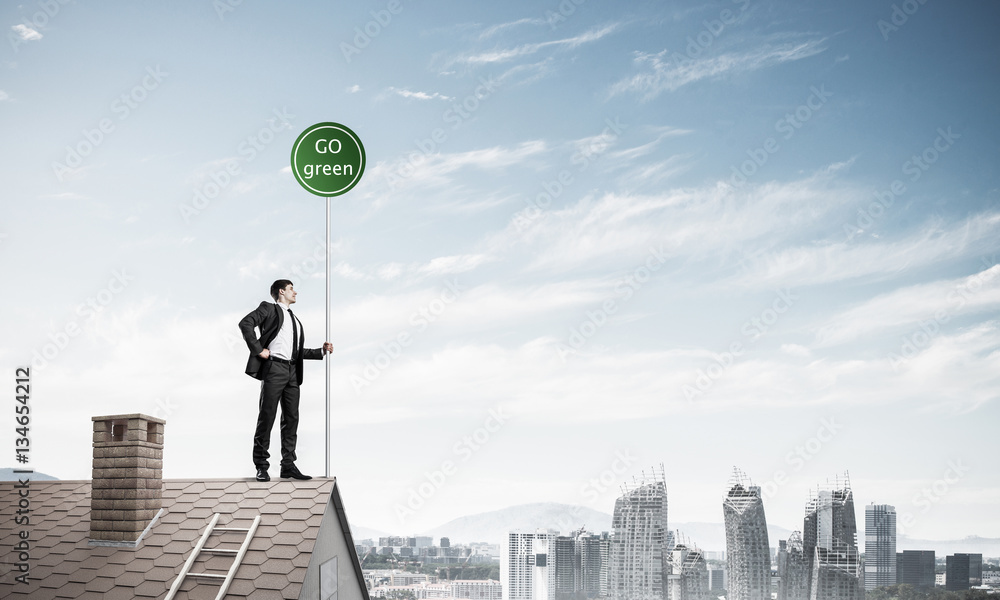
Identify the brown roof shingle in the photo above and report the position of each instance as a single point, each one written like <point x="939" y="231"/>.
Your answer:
<point x="64" y="565"/>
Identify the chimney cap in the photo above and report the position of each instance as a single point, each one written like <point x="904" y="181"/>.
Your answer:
<point x="129" y="416"/>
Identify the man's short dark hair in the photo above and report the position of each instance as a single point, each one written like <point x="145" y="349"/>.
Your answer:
<point x="279" y="285"/>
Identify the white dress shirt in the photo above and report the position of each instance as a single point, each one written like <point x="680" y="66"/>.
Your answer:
<point x="281" y="345"/>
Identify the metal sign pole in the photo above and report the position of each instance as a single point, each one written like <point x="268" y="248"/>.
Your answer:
<point x="328" y="160"/>
<point x="328" y="337"/>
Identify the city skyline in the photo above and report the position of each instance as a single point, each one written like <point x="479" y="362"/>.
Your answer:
<point x="564" y="523"/>
<point x="588" y="236"/>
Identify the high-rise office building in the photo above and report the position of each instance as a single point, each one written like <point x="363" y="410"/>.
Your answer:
<point x="830" y="543"/>
<point x="880" y="546"/>
<point x="567" y="564"/>
<point x="580" y="561"/>
<point x="527" y="569"/>
<point x="640" y="544"/>
<point x="592" y="563"/>
<point x="975" y="569"/>
<point x="916" y="568"/>
<point x="686" y="573"/>
<point x="963" y="571"/>
<point x="748" y="556"/>
<point x="793" y="569"/>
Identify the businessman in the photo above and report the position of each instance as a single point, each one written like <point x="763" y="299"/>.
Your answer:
<point x="276" y="360"/>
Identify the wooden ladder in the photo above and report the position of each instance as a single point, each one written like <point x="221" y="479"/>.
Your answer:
<point x="200" y="547"/>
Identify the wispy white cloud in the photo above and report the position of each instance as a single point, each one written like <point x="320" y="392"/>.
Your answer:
<point x="447" y="265"/>
<point x="657" y="172"/>
<point x="935" y="303"/>
<point x="412" y="272"/>
<point x="697" y="222"/>
<point x="438" y="169"/>
<point x="410" y="95"/>
<point x="346" y="271"/>
<point x="761" y="236"/>
<point x="828" y="262"/>
<point x="4" y="96"/>
<point x="663" y="72"/>
<point x="796" y="350"/>
<point x="467" y="204"/>
<point x="504" y="55"/>
<point x="26" y="33"/>
<point x="526" y="73"/>
<point x="533" y="381"/>
<point x="436" y="267"/>
<point x="354" y="89"/>
<point x="381" y="316"/>
<point x="495" y="29"/>
<point x="253" y="268"/>
<point x="636" y="152"/>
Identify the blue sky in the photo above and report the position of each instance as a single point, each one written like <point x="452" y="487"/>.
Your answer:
<point x="747" y="233"/>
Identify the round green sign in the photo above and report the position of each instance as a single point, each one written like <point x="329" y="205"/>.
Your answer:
<point x="328" y="159"/>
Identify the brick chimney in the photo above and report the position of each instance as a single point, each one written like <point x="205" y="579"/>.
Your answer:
<point x="127" y="489"/>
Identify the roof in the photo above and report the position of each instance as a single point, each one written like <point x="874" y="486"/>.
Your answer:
<point x="63" y="564"/>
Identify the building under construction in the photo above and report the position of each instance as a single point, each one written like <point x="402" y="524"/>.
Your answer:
<point x="830" y="543"/>
<point x="793" y="569"/>
<point x="748" y="556"/>
<point x="686" y="572"/>
<point x="641" y="542"/>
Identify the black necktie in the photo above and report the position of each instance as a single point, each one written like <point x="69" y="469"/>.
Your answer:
<point x="295" y="335"/>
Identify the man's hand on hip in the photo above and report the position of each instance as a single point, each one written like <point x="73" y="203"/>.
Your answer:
<point x="265" y="354"/>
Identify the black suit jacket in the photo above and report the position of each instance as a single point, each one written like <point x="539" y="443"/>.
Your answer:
<point x="268" y="318"/>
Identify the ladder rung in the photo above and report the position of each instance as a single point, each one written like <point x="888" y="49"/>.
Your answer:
<point x="200" y="547"/>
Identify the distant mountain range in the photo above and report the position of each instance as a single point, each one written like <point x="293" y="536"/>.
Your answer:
<point x="972" y="544"/>
<point x="8" y="474"/>
<point x="493" y="527"/>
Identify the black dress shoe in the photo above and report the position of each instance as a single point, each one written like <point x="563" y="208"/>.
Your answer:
<point x="292" y="472"/>
<point x="262" y="475"/>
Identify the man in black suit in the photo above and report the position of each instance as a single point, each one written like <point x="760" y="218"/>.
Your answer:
<point x="276" y="359"/>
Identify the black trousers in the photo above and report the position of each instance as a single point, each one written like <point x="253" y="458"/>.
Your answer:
<point x="279" y="387"/>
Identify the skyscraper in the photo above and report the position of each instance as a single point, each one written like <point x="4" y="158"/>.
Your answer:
<point x="748" y="556"/>
<point x="916" y="568"/>
<point x="527" y="569"/>
<point x="567" y="565"/>
<point x="793" y="569"/>
<point x="880" y="546"/>
<point x="640" y="544"/>
<point x="830" y="543"/>
<point x="593" y="562"/>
